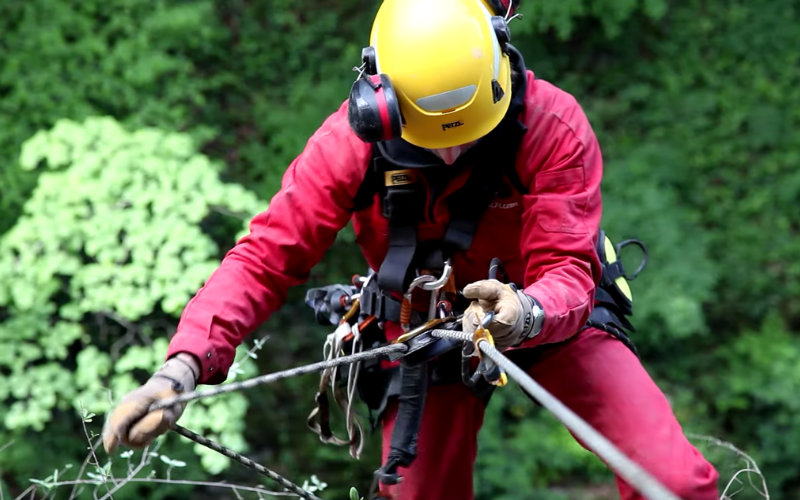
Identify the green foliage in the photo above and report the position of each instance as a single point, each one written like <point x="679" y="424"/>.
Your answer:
<point x="694" y="104"/>
<point x="539" y="16"/>
<point x="523" y="448"/>
<point x="112" y="232"/>
<point x="131" y="59"/>
<point x="286" y="67"/>
<point x="762" y="374"/>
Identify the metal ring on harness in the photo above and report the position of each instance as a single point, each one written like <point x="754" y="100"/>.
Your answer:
<point x="622" y="244"/>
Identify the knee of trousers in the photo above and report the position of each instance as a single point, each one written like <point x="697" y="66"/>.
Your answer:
<point x="697" y="480"/>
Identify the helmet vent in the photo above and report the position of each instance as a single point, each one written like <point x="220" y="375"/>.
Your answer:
<point x="497" y="91"/>
<point x="447" y="100"/>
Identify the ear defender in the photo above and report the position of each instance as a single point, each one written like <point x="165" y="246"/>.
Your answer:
<point x="503" y="11"/>
<point x="373" y="109"/>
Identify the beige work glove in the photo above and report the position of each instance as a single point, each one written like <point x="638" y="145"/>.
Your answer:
<point x="130" y="424"/>
<point x="515" y="313"/>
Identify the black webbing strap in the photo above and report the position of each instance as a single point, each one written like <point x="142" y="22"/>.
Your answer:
<point x="396" y="267"/>
<point x="411" y="403"/>
<point x="404" y="207"/>
<point x="612" y="271"/>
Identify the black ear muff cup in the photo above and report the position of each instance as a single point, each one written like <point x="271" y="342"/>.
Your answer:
<point x="373" y="109"/>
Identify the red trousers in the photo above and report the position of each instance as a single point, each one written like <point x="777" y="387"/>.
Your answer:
<point x="597" y="377"/>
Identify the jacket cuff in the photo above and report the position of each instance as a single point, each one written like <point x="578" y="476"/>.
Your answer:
<point x="214" y="363"/>
<point x="548" y="306"/>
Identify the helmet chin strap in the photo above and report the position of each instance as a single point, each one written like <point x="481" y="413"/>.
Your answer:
<point x="451" y="154"/>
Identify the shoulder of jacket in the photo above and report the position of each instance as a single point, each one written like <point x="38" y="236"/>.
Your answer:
<point x="338" y="156"/>
<point x="554" y="110"/>
<point x="338" y="146"/>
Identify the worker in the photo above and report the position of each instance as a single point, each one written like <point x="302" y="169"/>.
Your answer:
<point x="448" y="149"/>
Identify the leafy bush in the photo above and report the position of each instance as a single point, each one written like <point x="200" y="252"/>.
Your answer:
<point x="95" y="272"/>
<point x="693" y="102"/>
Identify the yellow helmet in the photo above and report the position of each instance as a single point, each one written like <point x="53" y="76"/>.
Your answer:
<point x="439" y="75"/>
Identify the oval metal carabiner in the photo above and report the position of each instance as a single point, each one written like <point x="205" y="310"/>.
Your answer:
<point x="442" y="281"/>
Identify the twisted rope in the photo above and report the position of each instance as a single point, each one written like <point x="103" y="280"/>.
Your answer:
<point x="197" y="438"/>
<point x="272" y="377"/>
<point x="253" y="382"/>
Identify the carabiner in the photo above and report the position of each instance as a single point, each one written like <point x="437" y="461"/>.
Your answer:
<point x="442" y="281"/>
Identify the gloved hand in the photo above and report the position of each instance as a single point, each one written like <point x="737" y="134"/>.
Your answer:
<point x="130" y="424"/>
<point x="517" y="316"/>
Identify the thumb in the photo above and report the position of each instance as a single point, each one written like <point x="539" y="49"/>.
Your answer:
<point x="488" y="290"/>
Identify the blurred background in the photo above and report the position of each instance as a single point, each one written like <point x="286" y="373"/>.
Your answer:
<point x="138" y="137"/>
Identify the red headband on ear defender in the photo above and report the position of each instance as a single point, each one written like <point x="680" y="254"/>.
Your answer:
<point x="500" y="7"/>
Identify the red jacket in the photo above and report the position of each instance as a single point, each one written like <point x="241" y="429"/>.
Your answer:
<point x="546" y="238"/>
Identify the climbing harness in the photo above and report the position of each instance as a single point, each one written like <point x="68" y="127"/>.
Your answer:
<point x="496" y="370"/>
<point x="358" y="340"/>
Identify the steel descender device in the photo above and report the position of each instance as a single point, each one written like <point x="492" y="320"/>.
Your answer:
<point x="487" y="368"/>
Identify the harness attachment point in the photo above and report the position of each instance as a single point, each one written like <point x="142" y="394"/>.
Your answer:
<point x="487" y="368"/>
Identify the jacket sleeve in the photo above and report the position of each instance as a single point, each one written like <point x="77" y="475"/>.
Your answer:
<point x="283" y="244"/>
<point x="562" y="212"/>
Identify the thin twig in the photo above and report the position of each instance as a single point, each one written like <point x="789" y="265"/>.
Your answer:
<point x="25" y="492"/>
<point x="2" y="448"/>
<point x="183" y="482"/>
<point x="725" y="495"/>
<point x="75" y="491"/>
<point x="130" y="326"/>
<point x="230" y="213"/>
<point x="92" y="448"/>
<point x="125" y="481"/>
<point x="102" y="325"/>
<point x="257" y="345"/>
<point x="751" y="466"/>
<point x="32" y="488"/>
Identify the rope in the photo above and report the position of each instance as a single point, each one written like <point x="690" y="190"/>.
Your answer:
<point x="272" y="377"/>
<point x="636" y="476"/>
<point x="197" y="438"/>
<point x="264" y="379"/>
